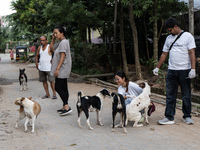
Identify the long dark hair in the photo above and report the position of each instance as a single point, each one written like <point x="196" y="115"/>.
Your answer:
<point x="123" y="75"/>
<point x="61" y="29"/>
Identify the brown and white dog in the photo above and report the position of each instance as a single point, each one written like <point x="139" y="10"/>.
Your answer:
<point x="29" y="109"/>
<point x="139" y="103"/>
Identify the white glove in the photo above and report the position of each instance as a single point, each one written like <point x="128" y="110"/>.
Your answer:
<point x="155" y="71"/>
<point x="192" y="74"/>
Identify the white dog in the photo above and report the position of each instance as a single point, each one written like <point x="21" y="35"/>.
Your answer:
<point x="29" y="109"/>
<point x="139" y="103"/>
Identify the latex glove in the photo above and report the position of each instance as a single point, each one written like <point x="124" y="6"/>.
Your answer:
<point x="192" y="74"/>
<point x="155" y="71"/>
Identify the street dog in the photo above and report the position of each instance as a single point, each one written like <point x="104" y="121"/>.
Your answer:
<point x="85" y="102"/>
<point x="139" y="103"/>
<point x="22" y="79"/>
<point x="28" y="109"/>
<point x="118" y="106"/>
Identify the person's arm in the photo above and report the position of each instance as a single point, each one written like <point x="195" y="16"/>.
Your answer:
<point x="121" y="91"/>
<point x="162" y="59"/>
<point x="192" y="58"/>
<point x="62" y="58"/>
<point x="36" y="57"/>
<point x="52" y="42"/>
<point x="192" y="73"/>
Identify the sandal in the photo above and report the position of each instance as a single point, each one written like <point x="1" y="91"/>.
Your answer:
<point x="54" y="97"/>
<point x="45" y="97"/>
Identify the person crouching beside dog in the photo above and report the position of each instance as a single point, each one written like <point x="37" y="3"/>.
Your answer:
<point x="44" y="55"/>
<point x="61" y="66"/>
<point x="127" y="88"/>
<point x="130" y="90"/>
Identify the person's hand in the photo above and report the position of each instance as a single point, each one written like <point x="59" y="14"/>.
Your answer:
<point x="56" y="73"/>
<point x="192" y="74"/>
<point x="36" y="65"/>
<point x="53" y="36"/>
<point x="155" y="71"/>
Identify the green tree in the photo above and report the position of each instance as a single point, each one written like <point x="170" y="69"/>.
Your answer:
<point x="29" y="15"/>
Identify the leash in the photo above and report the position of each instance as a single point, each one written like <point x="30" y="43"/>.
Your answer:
<point x="176" y="40"/>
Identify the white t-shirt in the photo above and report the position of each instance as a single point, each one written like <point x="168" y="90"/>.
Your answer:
<point x="133" y="89"/>
<point x="179" y="54"/>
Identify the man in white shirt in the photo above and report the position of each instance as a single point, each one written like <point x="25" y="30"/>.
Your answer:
<point x="181" y="70"/>
<point x="44" y="66"/>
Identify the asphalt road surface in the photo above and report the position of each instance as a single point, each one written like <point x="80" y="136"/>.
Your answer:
<point x="53" y="132"/>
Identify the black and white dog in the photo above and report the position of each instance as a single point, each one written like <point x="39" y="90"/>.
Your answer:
<point x="118" y="106"/>
<point x="85" y="102"/>
<point x="22" y="79"/>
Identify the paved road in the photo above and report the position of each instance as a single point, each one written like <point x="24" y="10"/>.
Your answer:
<point x="54" y="132"/>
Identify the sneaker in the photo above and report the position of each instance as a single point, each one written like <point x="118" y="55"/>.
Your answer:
<point x="59" y="110"/>
<point x="188" y="121"/>
<point x="65" y="112"/>
<point x="166" y="121"/>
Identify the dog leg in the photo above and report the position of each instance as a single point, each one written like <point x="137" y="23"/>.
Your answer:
<point x="79" y="119"/>
<point x="136" y="124"/>
<point x="25" y="124"/>
<point x="25" y="86"/>
<point x="137" y="119"/>
<point x="119" y="125"/>
<point x="30" y="123"/>
<point x="86" y="111"/>
<point x="123" y="119"/>
<point x="88" y="123"/>
<point x="20" y="83"/>
<point x="21" y="116"/>
<point x="99" y="118"/>
<point x="125" y="131"/>
<point x="146" y="116"/>
<point x="33" y="124"/>
<point x="113" y="126"/>
<point x="126" y="122"/>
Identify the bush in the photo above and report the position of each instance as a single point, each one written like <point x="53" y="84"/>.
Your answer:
<point x="91" y="58"/>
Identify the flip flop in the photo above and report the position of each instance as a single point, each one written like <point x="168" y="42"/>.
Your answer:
<point x="54" y="97"/>
<point x="45" y="97"/>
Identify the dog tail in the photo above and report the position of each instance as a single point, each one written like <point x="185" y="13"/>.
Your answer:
<point x="80" y="94"/>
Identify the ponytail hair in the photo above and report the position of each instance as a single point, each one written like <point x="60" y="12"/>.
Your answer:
<point x="123" y="75"/>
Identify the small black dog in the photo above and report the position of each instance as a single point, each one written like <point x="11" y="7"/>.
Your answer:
<point x="85" y="102"/>
<point x="119" y="107"/>
<point x="22" y="79"/>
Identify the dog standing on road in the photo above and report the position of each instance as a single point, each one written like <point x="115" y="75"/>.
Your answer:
<point x="22" y="79"/>
<point x="118" y="106"/>
<point x="85" y="102"/>
<point x="139" y="103"/>
<point x="29" y="109"/>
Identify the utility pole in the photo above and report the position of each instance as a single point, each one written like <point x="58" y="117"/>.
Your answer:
<point x="191" y="16"/>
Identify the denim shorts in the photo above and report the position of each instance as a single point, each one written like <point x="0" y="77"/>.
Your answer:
<point x="44" y="75"/>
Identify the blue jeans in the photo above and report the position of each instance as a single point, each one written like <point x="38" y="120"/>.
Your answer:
<point x="173" y="79"/>
<point x="128" y="101"/>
